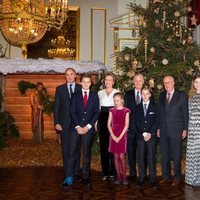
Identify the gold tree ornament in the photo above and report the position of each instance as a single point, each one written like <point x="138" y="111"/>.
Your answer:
<point x="190" y="39"/>
<point x="134" y="63"/>
<point x="189" y="8"/>
<point x="165" y="61"/>
<point x="127" y="57"/>
<point x="177" y="14"/>
<point x="152" y="50"/>
<point x="196" y="63"/>
<point x="151" y="83"/>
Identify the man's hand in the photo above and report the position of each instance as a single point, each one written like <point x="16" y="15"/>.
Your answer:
<point x="79" y="130"/>
<point x="184" y="134"/>
<point x="158" y="133"/>
<point x="85" y="129"/>
<point x="147" y="137"/>
<point x="58" y="127"/>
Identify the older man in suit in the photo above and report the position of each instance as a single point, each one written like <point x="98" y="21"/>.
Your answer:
<point x="173" y="125"/>
<point x="62" y="117"/>
<point x="132" y="99"/>
<point x="85" y="113"/>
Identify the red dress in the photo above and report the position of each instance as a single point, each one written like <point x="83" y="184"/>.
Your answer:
<point x="117" y="125"/>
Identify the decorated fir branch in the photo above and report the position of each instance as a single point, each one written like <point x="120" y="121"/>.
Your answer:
<point x="45" y="98"/>
<point x="166" y="46"/>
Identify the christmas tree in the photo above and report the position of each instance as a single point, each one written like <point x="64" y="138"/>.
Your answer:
<point x="166" y="46"/>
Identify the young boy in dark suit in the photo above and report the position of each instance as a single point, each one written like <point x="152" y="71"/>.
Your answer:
<point x="146" y="125"/>
<point x="85" y="113"/>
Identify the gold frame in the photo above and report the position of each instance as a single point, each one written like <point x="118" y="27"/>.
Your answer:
<point x="105" y="16"/>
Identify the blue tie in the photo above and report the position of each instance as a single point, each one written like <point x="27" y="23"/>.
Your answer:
<point x="145" y="109"/>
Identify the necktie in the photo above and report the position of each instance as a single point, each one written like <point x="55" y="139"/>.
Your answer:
<point x="85" y="98"/>
<point x="70" y="90"/>
<point x="137" y="100"/>
<point x="145" y="109"/>
<point x="168" y="98"/>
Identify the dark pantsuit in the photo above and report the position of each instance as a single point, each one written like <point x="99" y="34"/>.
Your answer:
<point x="107" y="160"/>
<point x="171" y="147"/>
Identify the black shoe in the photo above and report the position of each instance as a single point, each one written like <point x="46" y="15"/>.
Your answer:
<point x="86" y="181"/>
<point x="105" y="178"/>
<point x="154" y="184"/>
<point x="66" y="185"/>
<point x="111" y="178"/>
<point x="77" y="178"/>
<point x="131" y="178"/>
<point x="140" y="183"/>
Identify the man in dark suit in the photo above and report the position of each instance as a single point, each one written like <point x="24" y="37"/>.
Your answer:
<point x="85" y="113"/>
<point x="132" y="99"/>
<point x="172" y="128"/>
<point x="62" y="117"/>
<point x="146" y="126"/>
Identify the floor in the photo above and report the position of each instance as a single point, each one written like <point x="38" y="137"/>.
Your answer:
<point x="44" y="183"/>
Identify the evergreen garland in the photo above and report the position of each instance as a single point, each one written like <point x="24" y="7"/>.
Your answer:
<point x="24" y="85"/>
<point x="45" y="98"/>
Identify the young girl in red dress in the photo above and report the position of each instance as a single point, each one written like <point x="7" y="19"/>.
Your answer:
<point x="118" y="122"/>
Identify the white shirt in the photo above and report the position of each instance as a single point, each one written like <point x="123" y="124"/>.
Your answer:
<point x="73" y="86"/>
<point x="106" y="100"/>
<point x="146" y="103"/>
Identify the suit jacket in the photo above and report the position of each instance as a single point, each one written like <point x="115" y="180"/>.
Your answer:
<point x="129" y="99"/>
<point x="146" y="123"/>
<point x="173" y="118"/>
<point x="82" y="115"/>
<point x="62" y="106"/>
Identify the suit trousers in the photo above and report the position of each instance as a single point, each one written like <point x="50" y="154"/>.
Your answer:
<point x="78" y="141"/>
<point x="65" y="137"/>
<point x="131" y="148"/>
<point x="147" y="157"/>
<point x="171" y="149"/>
<point x="107" y="159"/>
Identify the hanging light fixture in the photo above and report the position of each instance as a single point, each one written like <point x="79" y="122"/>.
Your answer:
<point x="24" y="22"/>
<point x="62" y="49"/>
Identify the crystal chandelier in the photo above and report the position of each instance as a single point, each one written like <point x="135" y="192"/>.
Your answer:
<point x="62" y="49"/>
<point x="24" y="22"/>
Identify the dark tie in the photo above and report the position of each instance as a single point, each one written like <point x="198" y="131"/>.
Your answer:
<point x="70" y="90"/>
<point x="168" y="98"/>
<point x="137" y="100"/>
<point x="85" y="98"/>
<point x="145" y="109"/>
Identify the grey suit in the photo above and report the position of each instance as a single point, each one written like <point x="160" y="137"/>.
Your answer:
<point x="172" y="120"/>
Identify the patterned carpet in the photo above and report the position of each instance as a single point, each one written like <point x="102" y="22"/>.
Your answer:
<point x="43" y="183"/>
